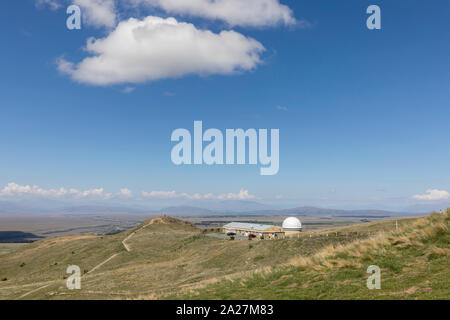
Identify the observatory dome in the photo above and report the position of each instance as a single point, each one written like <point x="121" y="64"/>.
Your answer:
<point x="292" y="223"/>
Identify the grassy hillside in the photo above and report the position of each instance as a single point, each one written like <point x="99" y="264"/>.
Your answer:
<point x="170" y="258"/>
<point x="9" y="247"/>
<point x="164" y="256"/>
<point x="414" y="263"/>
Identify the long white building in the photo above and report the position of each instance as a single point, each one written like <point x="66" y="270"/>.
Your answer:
<point x="290" y="227"/>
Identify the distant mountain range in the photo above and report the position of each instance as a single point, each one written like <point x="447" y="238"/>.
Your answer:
<point x="9" y="207"/>
<point x="12" y="207"/>
<point x="213" y="208"/>
<point x="226" y="205"/>
<point x="100" y="209"/>
<point x="299" y="211"/>
<point x="310" y="211"/>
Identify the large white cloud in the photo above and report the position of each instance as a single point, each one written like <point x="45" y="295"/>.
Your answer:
<point x="241" y="195"/>
<point x="433" y="195"/>
<point x="255" y="13"/>
<point x="156" y="48"/>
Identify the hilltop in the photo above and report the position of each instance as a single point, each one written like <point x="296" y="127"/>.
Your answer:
<point x="414" y="262"/>
<point x="170" y="258"/>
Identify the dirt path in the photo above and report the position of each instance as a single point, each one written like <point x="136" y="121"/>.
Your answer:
<point x="33" y="291"/>
<point x="56" y="281"/>
<point x="102" y="263"/>
<point x="127" y="238"/>
<point x="133" y="233"/>
<point x="127" y="248"/>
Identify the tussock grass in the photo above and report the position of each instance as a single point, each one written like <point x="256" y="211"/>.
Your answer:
<point x="166" y="256"/>
<point x="170" y="258"/>
<point x="414" y="261"/>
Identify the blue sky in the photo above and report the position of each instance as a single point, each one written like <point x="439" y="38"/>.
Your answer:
<point x="363" y="123"/>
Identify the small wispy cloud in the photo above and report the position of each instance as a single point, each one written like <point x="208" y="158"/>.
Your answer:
<point x="25" y="33"/>
<point x="241" y="195"/>
<point x="304" y="24"/>
<point x="128" y="89"/>
<point x="52" y="4"/>
<point x="433" y="195"/>
<point x="282" y="108"/>
<point x="98" y="13"/>
<point x="126" y="193"/>
<point x="14" y="190"/>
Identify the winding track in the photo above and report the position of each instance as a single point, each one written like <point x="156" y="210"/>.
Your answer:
<point x="99" y="265"/>
<point x="127" y="238"/>
<point x="33" y="291"/>
<point x="127" y="248"/>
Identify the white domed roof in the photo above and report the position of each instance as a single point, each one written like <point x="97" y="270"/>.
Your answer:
<point x="292" y="223"/>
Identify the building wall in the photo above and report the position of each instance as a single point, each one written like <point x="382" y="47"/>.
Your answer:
<point x="266" y="234"/>
<point x="292" y="233"/>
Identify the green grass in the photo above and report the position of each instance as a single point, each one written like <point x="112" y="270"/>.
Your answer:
<point x="171" y="258"/>
<point x="414" y="264"/>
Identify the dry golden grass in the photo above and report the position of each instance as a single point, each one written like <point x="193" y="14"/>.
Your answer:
<point x="413" y="260"/>
<point x="168" y="256"/>
<point x="410" y="235"/>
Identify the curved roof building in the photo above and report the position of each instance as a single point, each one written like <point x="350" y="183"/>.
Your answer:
<point x="292" y="226"/>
